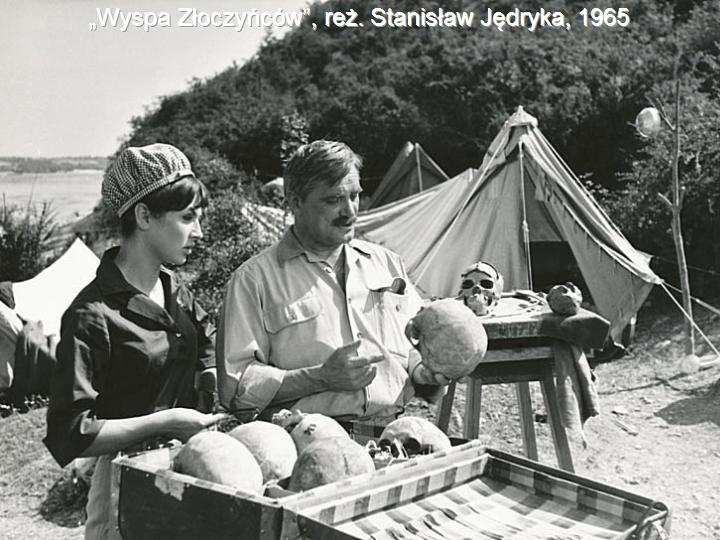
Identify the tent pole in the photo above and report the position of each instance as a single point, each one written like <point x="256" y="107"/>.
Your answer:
<point x="419" y="169"/>
<point x="525" y="228"/>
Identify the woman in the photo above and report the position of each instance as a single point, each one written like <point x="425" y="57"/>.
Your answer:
<point x="134" y="341"/>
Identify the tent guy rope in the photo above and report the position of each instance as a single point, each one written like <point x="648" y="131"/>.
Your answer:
<point x="703" y="365"/>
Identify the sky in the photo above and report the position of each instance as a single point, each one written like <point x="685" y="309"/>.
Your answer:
<point x="69" y="90"/>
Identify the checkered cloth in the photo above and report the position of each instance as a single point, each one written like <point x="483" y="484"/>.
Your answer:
<point x="138" y="171"/>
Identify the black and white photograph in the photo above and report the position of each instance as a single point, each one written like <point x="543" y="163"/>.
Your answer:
<point x="360" y="269"/>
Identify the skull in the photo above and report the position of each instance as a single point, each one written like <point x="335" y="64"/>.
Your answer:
<point x="414" y="435"/>
<point x="565" y="299"/>
<point x="481" y="287"/>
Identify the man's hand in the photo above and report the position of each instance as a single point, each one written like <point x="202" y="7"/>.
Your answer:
<point x="424" y="375"/>
<point x="345" y="370"/>
<point x="184" y="423"/>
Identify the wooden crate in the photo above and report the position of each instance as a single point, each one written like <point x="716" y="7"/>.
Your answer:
<point x="464" y="487"/>
<point x="153" y="501"/>
<point x="470" y="492"/>
<point x="156" y="502"/>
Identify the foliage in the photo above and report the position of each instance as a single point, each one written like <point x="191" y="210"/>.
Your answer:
<point x="637" y="207"/>
<point x="449" y="89"/>
<point x="294" y="128"/>
<point x="23" y="233"/>
<point x="215" y="171"/>
<point x="231" y="236"/>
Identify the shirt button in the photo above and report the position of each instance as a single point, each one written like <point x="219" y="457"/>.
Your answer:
<point x="359" y="335"/>
<point x="328" y="270"/>
<point x="293" y="316"/>
<point x="397" y="307"/>
<point x="178" y="335"/>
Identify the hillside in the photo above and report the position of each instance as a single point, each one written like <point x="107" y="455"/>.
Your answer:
<point x="451" y="89"/>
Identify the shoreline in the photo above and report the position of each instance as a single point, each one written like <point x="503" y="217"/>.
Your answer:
<point x="75" y="171"/>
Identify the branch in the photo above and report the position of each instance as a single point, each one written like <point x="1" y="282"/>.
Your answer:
<point x="681" y="197"/>
<point x="664" y="199"/>
<point x="661" y="110"/>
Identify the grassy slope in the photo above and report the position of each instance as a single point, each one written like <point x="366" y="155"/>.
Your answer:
<point x="37" y="498"/>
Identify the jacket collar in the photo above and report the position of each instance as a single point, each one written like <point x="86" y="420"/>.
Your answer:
<point x="112" y="283"/>
<point x="290" y="247"/>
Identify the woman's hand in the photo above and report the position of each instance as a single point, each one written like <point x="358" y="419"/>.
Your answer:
<point x="119" y="433"/>
<point x="183" y="423"/>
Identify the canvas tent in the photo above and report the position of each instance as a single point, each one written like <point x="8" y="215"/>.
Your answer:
<point x="412" y="172"/>
<point x="479" y="215"/>
<point x="31" y="313"/>
<point x="46" y="296"/>
<point x="10" y="328"/>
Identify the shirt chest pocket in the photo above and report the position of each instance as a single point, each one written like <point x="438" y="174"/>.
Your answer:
<point x="295" y="315"/>
<point x="392" y="312"/>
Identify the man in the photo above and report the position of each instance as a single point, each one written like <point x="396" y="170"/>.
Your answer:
<point x="316" y="322"/>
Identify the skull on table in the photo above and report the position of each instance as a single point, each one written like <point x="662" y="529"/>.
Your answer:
<point x="565" y="299"/>
<point x="481" y="288"/>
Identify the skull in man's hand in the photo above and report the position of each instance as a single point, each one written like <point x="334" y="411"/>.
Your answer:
<point x="481" y="287"/>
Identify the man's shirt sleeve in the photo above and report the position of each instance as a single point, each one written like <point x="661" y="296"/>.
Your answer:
<point x="243" y="348"/>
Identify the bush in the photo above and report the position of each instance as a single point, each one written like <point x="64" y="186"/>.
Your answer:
<point x="215" y="171"/>
<point x="636" y="208"/>
<point x="231" y="236"/>
<point x="23" y="235"/>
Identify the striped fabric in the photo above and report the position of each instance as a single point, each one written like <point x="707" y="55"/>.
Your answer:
<point x="467" y="493"/>
<point x="138" y="171"/>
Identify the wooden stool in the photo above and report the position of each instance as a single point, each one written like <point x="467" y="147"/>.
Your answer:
<point x="515" y="361"/>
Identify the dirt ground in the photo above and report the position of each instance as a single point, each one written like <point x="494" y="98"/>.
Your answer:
<point x="669" y="449"/>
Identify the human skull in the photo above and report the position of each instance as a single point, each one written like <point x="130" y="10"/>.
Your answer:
<point x="565" y="299"/>
<point x="481" y="287"/>
<point x="450" y="338"/>
<point x="414" y="435"/>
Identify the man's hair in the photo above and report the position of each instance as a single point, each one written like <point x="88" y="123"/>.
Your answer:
<point x="170" y="198"/>
<point x="326" y="162"/>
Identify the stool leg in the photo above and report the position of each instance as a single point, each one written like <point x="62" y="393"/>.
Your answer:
<point x="472" y="408"/>
<point x="562" y="448"/>
<point x="443" y="421"/>
<point x="527" y="424"/>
